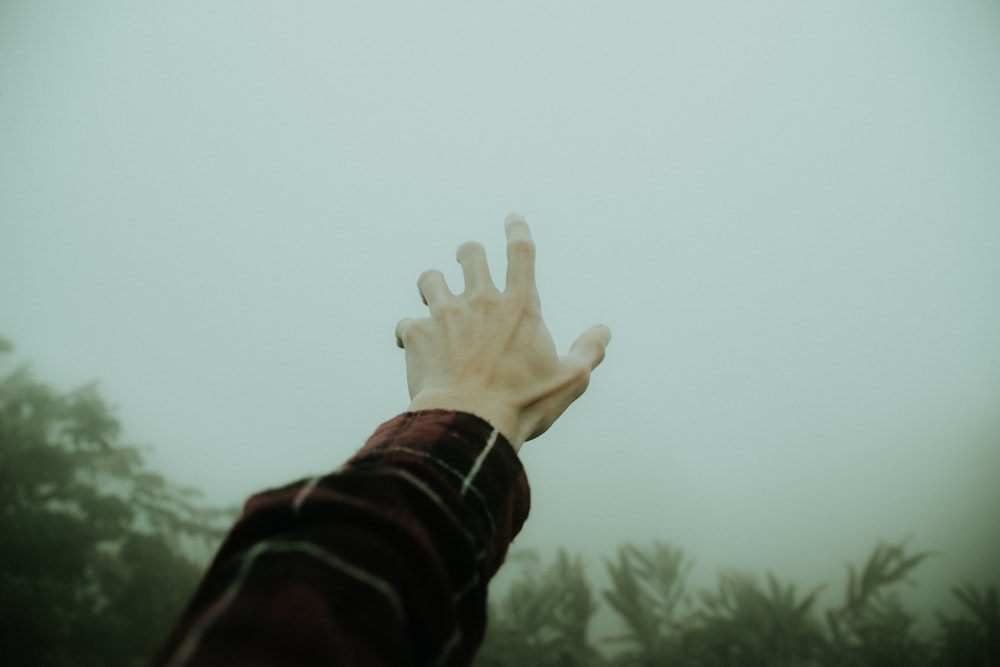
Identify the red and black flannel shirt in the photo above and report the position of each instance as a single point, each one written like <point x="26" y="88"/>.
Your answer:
<point x="382" y="562"/>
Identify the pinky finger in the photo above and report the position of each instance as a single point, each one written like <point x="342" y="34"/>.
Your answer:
<point x="401" y="328"/>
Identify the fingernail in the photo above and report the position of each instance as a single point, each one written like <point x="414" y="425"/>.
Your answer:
<point x="514" y="218"/>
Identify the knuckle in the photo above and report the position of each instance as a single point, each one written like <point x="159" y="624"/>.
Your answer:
<point x="534" y="301"/>
<point x="483" y="299"/>
<point x="530" y="306"/>
<point x="447" y="309"/>
<point x="521" y="247"/>
<point x="579" y="378"/>
<point x="415" y="329"/>
<point x="471" y="248"/>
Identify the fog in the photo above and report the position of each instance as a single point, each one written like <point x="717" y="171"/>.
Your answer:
<point x="788" y="213"/>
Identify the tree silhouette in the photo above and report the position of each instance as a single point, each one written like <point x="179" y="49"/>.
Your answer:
<point x="98" y="555"/>
<point x="741" y="622"/>
<point x="745" y="624"/>
<point x="543" y="619"/>
<point x="647" y="587"/>
<point x="872" y="627"/>
<point x="974" y="638"/>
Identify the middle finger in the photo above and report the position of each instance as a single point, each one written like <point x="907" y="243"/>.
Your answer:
<point x="472" y="257"/>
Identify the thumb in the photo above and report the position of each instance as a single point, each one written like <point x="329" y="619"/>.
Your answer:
<point x="589" y="348"/>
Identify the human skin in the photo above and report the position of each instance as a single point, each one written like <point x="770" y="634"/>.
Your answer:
<point x="489" y="352"/>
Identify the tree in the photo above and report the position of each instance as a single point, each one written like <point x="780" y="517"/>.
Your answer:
<point x="98" y="555"/>
<point x="741" y="622"/>
<point x="972" y="639"/>
<point x="543" y="619"/>
<point x="872" y="627"/>
<point x="744" y="623"/>
<point x="647" y="587"/>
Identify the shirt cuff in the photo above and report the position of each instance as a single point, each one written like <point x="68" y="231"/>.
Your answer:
<point x="471" y="456"/>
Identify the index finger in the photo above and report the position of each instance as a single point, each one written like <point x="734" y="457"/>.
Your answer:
<point x="520" y="254"/>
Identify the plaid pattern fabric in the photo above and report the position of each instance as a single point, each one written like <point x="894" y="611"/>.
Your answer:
<point x="382" y="562"/>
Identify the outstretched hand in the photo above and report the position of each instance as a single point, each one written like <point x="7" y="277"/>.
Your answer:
<point x="489" y="352"/>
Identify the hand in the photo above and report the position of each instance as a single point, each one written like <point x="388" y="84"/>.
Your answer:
<point x="489" y="353"/>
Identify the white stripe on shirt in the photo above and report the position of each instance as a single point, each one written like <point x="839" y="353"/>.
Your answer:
<point x="479" y="461"/>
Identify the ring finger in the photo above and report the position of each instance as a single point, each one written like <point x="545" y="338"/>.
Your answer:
<point x="472" y="257"/>
<point x="433" y="289"/>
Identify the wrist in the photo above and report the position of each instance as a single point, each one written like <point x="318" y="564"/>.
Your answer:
<point x="501" y="417"/>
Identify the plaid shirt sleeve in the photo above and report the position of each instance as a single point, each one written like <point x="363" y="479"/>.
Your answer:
<point x="382" y="562"/>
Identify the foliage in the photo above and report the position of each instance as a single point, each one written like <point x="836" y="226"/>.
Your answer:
<point x="647" y="588"/>
<point x="872" y="627"/>
<point x="542" y="620"/>
<point x="972" y="639"/>
<point x="99" y="554"/>
<point x="741" y="622"/>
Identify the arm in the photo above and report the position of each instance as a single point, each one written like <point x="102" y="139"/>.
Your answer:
<point x="386" y="560"/>
<point x="383" y="562"/>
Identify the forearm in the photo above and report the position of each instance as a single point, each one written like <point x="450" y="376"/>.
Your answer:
<point x="384" y="562"/>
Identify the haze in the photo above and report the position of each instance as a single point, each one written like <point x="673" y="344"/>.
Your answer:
<point x="787" y="212"/>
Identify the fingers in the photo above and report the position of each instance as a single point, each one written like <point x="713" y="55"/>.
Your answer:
<point x="520" y="254"/>
<point x="401" y="328"/>
<point x="433" y="289"/>
<point x="589" y="348"/>
<point x="410" y="330"/>
<point x="472" y="257"/>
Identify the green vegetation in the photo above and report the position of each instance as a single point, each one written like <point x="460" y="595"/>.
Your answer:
<point x="741" y="623"/>
<point x="98" y="555"/>
<point x="543" y="619"/>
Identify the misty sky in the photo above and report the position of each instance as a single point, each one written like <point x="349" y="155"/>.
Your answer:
<point x="787" y="212"/>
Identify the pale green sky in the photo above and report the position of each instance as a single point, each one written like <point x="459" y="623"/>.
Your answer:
<point x="788" y="213"/>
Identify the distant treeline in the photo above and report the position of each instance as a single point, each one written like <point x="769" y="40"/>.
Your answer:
<point x="543" y="618"/>
<point x="98" y="556"/>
